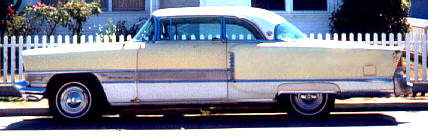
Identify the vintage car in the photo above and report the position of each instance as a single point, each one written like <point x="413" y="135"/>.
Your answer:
<point x="211" y="56"/>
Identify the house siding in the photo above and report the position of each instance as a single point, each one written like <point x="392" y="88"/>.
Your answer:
<point x="310" y="23"/>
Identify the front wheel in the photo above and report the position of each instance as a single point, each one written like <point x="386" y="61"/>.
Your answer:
<point x="74" y="101"/>
<point x="309" y="106"/>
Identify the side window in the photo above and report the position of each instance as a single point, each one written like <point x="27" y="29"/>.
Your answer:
<point x="237" y="29"/>
<point x="147" y="32"/>
<point x="193" y="28"/>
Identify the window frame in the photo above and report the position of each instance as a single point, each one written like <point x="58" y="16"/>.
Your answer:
<point x="222" y="29"/>
<point x="331" y="5"/>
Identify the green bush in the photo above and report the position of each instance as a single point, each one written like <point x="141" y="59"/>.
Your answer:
<point x="371" y="16"/>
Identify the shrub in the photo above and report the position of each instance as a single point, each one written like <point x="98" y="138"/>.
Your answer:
<point x="44" y="14"/>
<point x="79" y="12"/>
<point x="371" y="16"/>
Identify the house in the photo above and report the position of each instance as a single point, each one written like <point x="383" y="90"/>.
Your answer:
<point x="419" y="9"/>
<point x="311" y="16"/>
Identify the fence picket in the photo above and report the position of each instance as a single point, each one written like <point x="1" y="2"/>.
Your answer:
<point x="319" y="36"/>
<point x="367" y="38"/>
<point x="399" y="40"/>
<point x="67" y="40"/>
<point x="5" y="44"/>
<point x="82" y="39"/>
<point x="98" y="39"/>
<point x="424" y="58"/>
<point x="28" y="43"/>
<point x="44" y="41"/>
<point x="408" y="70"/>
<point x="59" y="41"/>
<point x="311" y="35"/>
<point x="51" y="41"/>
<point x="351" y="37"/>
<point x="327" y="36"/>
<point x="74" y="40"/>
<point x="20" y="66"/>
<point x="128" y="38"/>
<point x="391" y="39"/>
<point x="375" y="39"/>
<point x="12" y="59"/>
<point x="335" y="36"/>
<point x="121" y="38"/>
<point x="343" y="37"/>
<point x="90" y="39"/>
<point x="383" y="39"/>
<point x="359" y="37"/>
<point x="36" y="42"/>
<point x="416" y="56"/>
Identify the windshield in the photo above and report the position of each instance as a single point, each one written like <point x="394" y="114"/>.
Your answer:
<point x="286" y="30"/>
<point x="147" y="32"/>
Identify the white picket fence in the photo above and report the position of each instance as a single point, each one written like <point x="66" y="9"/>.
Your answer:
<point x="415" y="48"/>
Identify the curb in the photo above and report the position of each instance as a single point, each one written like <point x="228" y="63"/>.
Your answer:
<point x="339" y="107"/>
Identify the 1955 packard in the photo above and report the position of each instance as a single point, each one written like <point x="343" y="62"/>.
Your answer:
<point x="211" y="56"/>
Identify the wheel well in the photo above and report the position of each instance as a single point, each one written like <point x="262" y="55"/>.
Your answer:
<point x="57" y="80"/>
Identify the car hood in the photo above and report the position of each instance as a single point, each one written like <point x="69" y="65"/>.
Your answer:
<point x="88" y="47"/>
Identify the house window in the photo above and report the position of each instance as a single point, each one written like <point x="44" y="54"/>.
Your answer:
<point x="291" y="5"/>
<point x="269" y="4"/>
<point x="128" y="5"/>
<point x="310" y="5"/>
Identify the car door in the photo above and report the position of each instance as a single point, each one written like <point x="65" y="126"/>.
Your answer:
<point x="186" y="62"/>
<point x="249" y="64"/>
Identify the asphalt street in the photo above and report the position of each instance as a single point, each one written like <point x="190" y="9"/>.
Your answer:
<point x="371" y="124"/>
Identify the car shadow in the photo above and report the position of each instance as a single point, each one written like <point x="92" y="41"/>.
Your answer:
<point x="208" y="122"/>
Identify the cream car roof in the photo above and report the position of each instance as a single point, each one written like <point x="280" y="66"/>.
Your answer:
<point x="265" y="20"/>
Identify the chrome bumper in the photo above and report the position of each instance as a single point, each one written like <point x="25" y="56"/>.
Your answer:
<point x="28" y="93"/>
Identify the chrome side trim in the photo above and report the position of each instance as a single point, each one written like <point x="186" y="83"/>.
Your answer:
<point x="168" y="102"/>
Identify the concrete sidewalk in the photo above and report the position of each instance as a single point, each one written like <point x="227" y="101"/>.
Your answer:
<point x="348" y="105"/>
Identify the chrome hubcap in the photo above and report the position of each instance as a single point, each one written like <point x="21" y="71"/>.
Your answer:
<point x="74" y="100"/>
<point x="308" y="102"/>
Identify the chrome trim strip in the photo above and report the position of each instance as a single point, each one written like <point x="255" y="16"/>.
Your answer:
<point x="307" y="92"/>
<point x="142" y="70"/>
<point x="267" y="80"/>
<point x="171" y="102"/>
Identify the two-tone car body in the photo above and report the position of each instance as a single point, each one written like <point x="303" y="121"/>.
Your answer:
<point x="211" y="55"/>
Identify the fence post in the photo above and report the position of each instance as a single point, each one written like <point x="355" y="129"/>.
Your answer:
<point x="51" y="41"/>
<point x="82" y="39"/>
<point x="383" y="39"/>
<point x="44" y="40"/>
<point x="343" y="37"/>
<point x="416" y="56"/>
<point x="28" y="45"/>
<point x="399" y="40"/>
<point x="375" y="39"/>
<point x="36" y="42"/>
<point x="74" y="40"/>
<point x="359" y="37"/>
<point x="408" y="70"/>
<point x="67" y="40"/>
<point x="391" y="39"/>
<point x="335" y="37"/>
<point x="20" y="66"/>
<point x="12" y="59"/>
<point x="59" y="42"/>
<point x="311" y="36"/>
<point x="327" y="36"/>
<point x="90" y="39"/>
<point x="367" y="38"/>
<point x="5" y="41"/>
<point x="424" y="58"/>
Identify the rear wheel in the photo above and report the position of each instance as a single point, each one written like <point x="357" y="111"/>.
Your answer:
<point x="75" y="100"/>
<point x="309" y="106"/>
